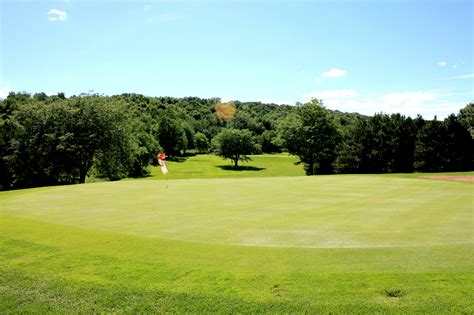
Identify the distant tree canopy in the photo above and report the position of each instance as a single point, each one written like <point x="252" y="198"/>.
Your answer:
<point x="49" y="140"/>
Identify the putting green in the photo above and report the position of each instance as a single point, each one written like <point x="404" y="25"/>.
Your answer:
<point x="318" y="211"/>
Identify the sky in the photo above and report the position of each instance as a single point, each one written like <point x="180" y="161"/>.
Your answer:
<point x="411" y="57"/>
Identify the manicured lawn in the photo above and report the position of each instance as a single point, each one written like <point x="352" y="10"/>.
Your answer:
<point x="350" y="244"/>
<point x="211" y="166"/>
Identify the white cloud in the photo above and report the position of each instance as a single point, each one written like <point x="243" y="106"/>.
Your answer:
<point x="334" y="73"/>
<point x="426" y="103"/>
<point x="57" y="15"/>
<point x="4" y="91"/>
<point x="465" y="76"/>
<point x="442" y="63"/>
<point x="408" y="98"/>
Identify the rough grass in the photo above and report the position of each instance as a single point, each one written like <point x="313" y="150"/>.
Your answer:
<point x="51" y="268"/>
<point x="324" y="244"/>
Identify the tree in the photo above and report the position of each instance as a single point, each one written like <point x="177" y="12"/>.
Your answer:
<point x="431" y="147"/>
<point x="466" y="118"/>
<point x="9" y="127"/>
<point x="202" y="144"/>
<point x="311" y="134"/>
<point x="225" y="111"/>
<point x="459" y="145"/>
<point x="234" y="144"/>
<point x="350" y="151"/>
<point x="378" y="144"/>
<point x="268" y="142"/>
<point x="171" y="134"/>
<point x="58" y="143"/>
<point x="244" y="120"/>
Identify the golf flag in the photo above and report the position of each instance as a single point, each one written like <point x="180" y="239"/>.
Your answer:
<point x="161" y="160"/>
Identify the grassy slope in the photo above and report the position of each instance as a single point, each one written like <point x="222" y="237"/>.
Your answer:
<point x="101" y="247"/>
<point x="211" y="166"/>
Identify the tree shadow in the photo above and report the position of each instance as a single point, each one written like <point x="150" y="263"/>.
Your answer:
<point x="240" y="168"/>
<point x="180" y="158"/>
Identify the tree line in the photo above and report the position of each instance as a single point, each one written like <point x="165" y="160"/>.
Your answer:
<point x="50" y="140"/>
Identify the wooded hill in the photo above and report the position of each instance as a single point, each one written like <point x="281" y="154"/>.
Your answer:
<point x="49" y="140"/>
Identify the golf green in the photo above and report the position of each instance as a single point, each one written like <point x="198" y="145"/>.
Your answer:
<point x="324" y="211"/>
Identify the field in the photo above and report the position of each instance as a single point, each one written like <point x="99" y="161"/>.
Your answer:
<point x="248" y="243"/>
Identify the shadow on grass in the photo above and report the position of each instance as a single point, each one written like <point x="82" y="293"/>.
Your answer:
<point x="240" y="168"/>
<point x="181" y="158"/>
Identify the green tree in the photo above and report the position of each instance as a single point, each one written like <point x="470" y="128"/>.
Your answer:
<point x="234" y="144"/>
<point x="268" y="141"/>
<point x="59" y="142"/>
<point x="9" y="128"/>
<point x="202" y="144"/>
<point x="244" y="120"/>
<point x="466" y="118"/>
<point x="311" y="134"/>
<point x="189" y="132"/>
<point x="171" y="134"/>
<point x="431" y="148"/>
<point x="459" y="145"/>
<point x="378" y="144"/>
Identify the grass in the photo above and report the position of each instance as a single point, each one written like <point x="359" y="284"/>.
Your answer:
<point x="264" y="165"/>
<point x="211" y="166"/>
<point x="321" y="244"/>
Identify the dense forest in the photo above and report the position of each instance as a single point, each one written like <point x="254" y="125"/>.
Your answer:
<point x="50" y="140"/>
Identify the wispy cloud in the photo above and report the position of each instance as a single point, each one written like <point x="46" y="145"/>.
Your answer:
<point x="334" y="73"/>
<point x="410" y="103"/>
<point x="464" y="76"/>
<point x="442" y="63"/>
<point x="57" y="15"/>
<point x="408" y="98"/>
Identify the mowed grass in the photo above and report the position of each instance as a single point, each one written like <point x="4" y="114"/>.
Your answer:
<point x="317" y="211"/>
<point x="212" y="166"/>
<point x="321" y="244"/>
<point x="264" y="165"/>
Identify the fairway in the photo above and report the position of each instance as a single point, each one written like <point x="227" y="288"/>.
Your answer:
<point x="212" y="166"/>
<point x="351" y="243"/>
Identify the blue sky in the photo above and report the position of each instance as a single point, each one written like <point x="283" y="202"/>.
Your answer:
<point x="412" y="57"/>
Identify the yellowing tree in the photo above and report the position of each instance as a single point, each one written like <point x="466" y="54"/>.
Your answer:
<point x="225" y="111"/>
